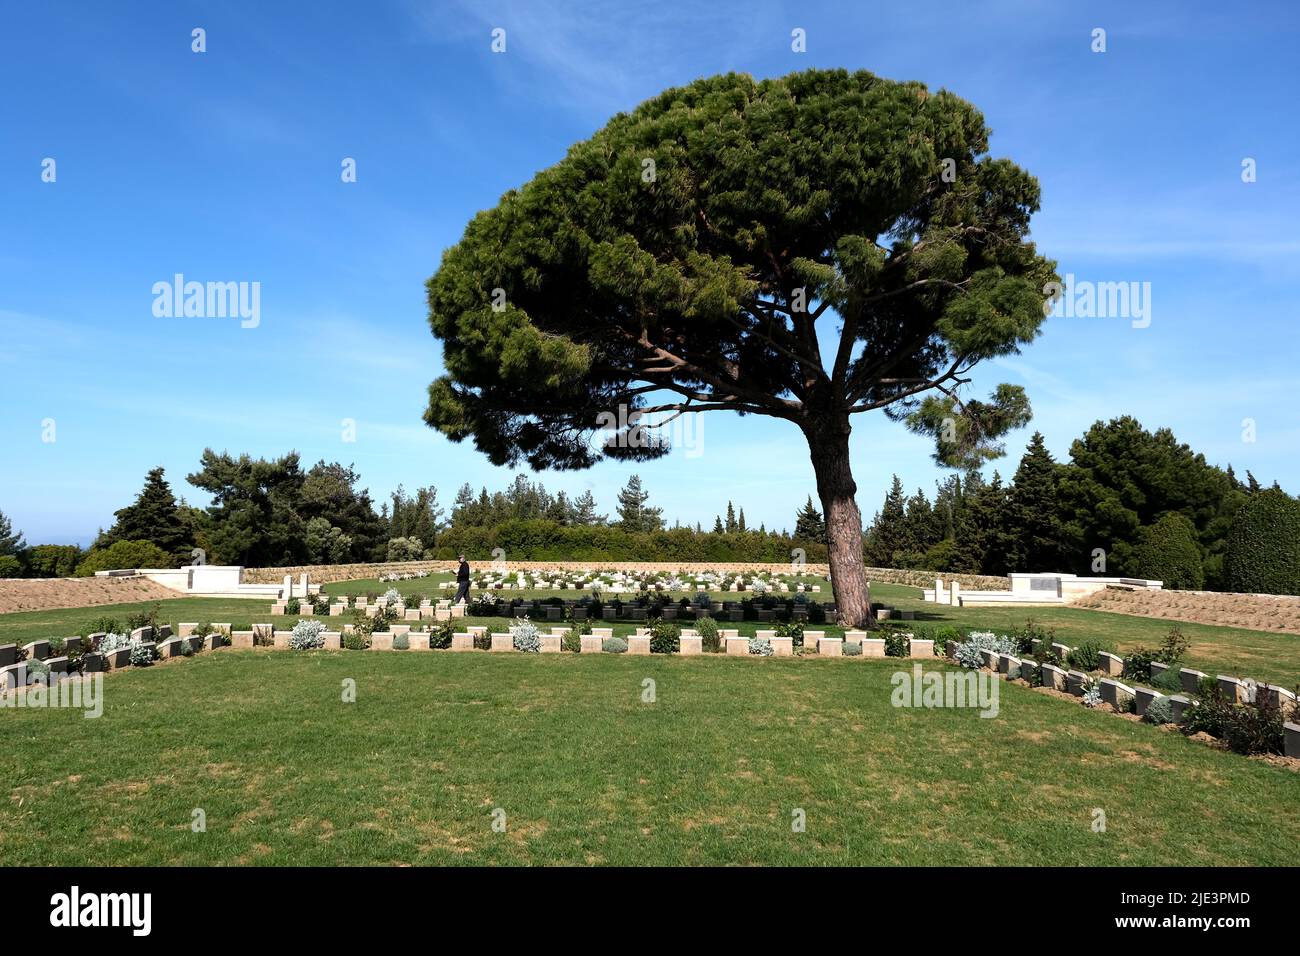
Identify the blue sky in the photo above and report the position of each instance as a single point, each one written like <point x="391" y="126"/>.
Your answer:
<point x="225" y="166"/>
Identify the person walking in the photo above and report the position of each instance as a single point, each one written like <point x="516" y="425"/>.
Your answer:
<point x="462" y="580"/>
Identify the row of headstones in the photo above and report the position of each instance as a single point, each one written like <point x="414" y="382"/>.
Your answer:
<point x="1120" y="695"/>
<point x="15" y="673"/>
<point x="623" y="588"/>
<point x="691" y="643"/>
<point x="445" y="610"/>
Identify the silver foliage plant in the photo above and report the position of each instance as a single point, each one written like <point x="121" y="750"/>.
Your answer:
<point x="307" y="635"/>
<point x="968" y="651"/>
<point x="526" y="636"/>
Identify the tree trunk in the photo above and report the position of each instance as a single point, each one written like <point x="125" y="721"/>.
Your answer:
<point x="828" y="443"/>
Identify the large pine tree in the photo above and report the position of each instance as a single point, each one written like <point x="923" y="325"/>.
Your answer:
<point x="154" y="516"/>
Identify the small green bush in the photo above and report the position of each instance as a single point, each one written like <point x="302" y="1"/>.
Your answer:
<point x="1167" y="681"/>
<point x="356" y="640"/>
<point x="440" y="635"/>
<point x="401" y="642"/>
<point x="1159" y="711"/>
<point x="852" y="648"/>
<point x="293" y="606"/>
<point x="710" y="642"/>
<point x="572" y="641"/>
<point x="1086" y="655"/>
<point x="614" y="645"/>
<point x="665" y="637"/>
<point x="792" y="630"/>
<point x="897" y="643"/>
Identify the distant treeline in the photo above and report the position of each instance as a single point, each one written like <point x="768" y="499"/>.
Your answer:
<point x="1128" y="503"/>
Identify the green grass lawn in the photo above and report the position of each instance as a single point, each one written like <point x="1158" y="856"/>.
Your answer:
<point x="587" y="773"/>
<point x="1216" y="650"/>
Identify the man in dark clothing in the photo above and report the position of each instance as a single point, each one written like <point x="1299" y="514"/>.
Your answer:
<point x="462" y="580"/>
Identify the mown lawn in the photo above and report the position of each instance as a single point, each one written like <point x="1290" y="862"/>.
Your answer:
<point x="585" y="772"/>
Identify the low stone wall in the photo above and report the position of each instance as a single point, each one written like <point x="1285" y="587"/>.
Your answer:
<point x="328" y="573"/>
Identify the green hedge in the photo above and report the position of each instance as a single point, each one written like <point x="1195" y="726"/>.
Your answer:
<point x="1167" y="551"/>
<point x="541" y="540"/>
<point x="1263" y="554"/>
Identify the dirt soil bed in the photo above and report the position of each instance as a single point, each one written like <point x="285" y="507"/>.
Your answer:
<point x="1258" y="612"/>
<point x="43" y="594"/>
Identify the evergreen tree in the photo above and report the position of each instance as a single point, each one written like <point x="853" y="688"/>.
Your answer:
<point x="982" y="544"/>
<point x="731" y="519"/>
<point x="11" y="542"/>
<point x="633" y="514"/>
<point x="718" y="527"/>
<point x="740" y="522"/>
<point x="887" y="535"/>
<point x="155" y="517"/>
<point x="584" y="511"/>
<point x="809" y="525"/>
<point x="1034" y="510"/>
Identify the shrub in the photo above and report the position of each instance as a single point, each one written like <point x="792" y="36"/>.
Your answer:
<point x="121" y="555"/>
<point x="614" y="645"/>
<point x="525" y="636"/>
<point x="401" y="642"/>
<point x="356" y="640"/>
<point x="10" y="567"/>
<point x="792" y="630"/>
<point x="760" y="646"/>
<point x="1263" y="545"/>
<point x="1025" y="636"/>
<point x="852" y="649"/>
<point x="1174" y="647"/>
<point x="482" y="642"/>
<point x="1091" y="694"/>
<point x="897" y="643"/>
<point x="391" y="598"/>
<point x="57" y="646"/>
<point x="142" y="655"/>
<point x="1167" y="680"/>
<point x="292" y="606"/>
<point x="572" y="641"/>
<point x="968" y="651"/>
<point x="946" y="633"/>
<point x="707" y="628"/>
<point x="1209" y="714"/>
<point x="1137" y="664"/>
<point x="1255" y="728"/>
<point x="37" y="668"/>
<point x="440" y="635"/>
<point x="146" y="618"/>
<point x="665" y="637"/>
<point x="1159" y="711"/>
<point x="1167" y="551"/>
<point x="307" y="635"/>
<point x="1086" y="655"/>
<point x="104" y="625"/>
<point x="113" y="642"/>
<point x="405" y="549"/>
